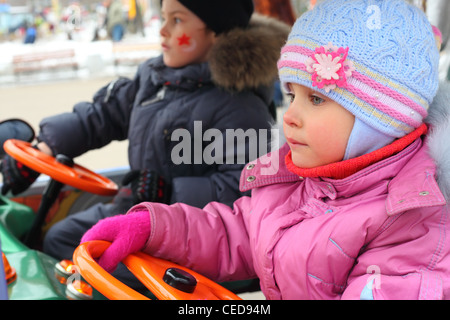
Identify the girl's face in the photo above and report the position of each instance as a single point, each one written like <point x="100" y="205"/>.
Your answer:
<point x="317" y="128"/>
<point x="185" y="38"/>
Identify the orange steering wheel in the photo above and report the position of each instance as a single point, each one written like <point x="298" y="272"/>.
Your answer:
<point x="76" y="176"/>
<point x="166" y="280"/>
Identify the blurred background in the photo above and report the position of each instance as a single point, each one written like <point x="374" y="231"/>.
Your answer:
<point x="83" y="28"/>
<point x="110" y="37"/>
<point x="105" y="37"/>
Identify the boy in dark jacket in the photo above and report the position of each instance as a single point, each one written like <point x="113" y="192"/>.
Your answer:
<point x="215" y="76"/>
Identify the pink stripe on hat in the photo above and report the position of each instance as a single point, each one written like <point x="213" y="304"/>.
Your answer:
<point x="382" y="107"/>
<point x="392" y="93"/>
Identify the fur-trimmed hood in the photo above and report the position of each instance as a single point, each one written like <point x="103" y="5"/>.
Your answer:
<point x="439" y="136"/>
<point x="247" y="58"/>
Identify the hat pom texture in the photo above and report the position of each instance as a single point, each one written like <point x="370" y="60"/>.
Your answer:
<point x="376" y="58"/>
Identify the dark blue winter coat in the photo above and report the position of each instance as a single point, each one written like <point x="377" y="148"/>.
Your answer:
<point x="148" y="109"/>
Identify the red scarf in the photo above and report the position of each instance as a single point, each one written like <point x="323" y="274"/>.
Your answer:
<point x="344" y="169"/>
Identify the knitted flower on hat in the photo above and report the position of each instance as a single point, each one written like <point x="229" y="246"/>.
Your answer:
<point x="329" y="67"/>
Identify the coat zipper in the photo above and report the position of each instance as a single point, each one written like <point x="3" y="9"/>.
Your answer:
<point x="159" y="96"/>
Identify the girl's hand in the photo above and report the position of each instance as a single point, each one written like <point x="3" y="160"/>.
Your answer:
<point x="128" y="234"/>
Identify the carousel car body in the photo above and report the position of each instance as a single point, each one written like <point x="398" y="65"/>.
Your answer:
<point x="26" y="273"/>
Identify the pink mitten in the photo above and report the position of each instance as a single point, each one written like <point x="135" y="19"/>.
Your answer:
<point x="128" y="234"/>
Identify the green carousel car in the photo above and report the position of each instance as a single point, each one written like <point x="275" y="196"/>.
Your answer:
<point x="29" y="274"/>
<point x="26" y="273"/>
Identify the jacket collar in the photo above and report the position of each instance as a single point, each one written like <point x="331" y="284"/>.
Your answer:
<point x="414" y="186"/>
<point x="267" y="170"/>
<point x="407" y="177"/>
<point x="343" y="169"/>
<point x="272" y="169"/>
<point x="190" y="77"/>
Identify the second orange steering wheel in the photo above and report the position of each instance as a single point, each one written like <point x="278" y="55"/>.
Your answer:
<point x="76" y="176"/>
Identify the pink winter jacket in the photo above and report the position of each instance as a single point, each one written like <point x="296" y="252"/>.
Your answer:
<point x="381" y="233"/>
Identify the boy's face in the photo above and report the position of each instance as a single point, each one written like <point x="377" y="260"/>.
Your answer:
<point x="316" y="128"/>
<point x="184" y="37"/>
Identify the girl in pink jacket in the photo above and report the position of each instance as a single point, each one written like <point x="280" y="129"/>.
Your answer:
<point x="353" y="206"/>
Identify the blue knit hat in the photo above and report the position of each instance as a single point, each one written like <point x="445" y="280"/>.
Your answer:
<point x="376" y="58"/>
